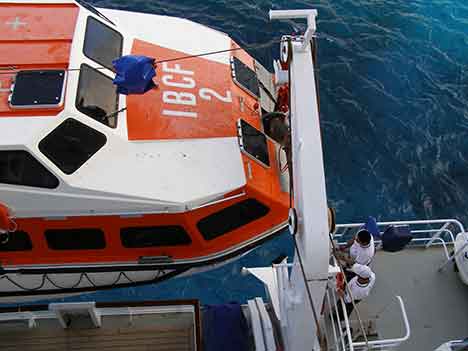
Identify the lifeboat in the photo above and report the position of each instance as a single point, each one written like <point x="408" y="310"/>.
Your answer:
<point x="109" y="190"/>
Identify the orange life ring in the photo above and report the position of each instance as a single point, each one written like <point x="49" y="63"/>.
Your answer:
<point x="6" y="223"/>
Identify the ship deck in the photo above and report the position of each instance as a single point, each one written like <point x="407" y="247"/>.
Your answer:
<point x="436" y="302"/>
<point x="122" y="328"/>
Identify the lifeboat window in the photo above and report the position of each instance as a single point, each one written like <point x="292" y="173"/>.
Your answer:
<point x="17" y="241"/>
<point x="19" y="167"/>
<point x="231" y="218"/>
<point x="75" y="239"/>
<point x="244" y="77"/>
<point x="102" y="43"/>
<point x="170" y="235"/>
<point x="97" y="96"/>
<point x="71" y="144"/>
<point x="38" y="89"/>
<point x="253" y="142"/>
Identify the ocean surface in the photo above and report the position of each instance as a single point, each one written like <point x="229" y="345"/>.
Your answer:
<point x="393" y="95"/>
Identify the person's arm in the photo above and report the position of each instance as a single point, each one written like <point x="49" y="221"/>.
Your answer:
<point x="348" y="244"/>
<point x="348" y="260"/>
<point x="341" y="293"/>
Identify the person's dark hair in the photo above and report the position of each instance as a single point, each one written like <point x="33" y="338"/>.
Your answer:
<point x="364" y="237"/>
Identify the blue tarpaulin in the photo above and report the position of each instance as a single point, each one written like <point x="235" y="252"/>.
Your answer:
<point x="372" y="227"/>
<point x="224" y="328"/>
<point x="134" y="74"/>
<point x="396" y="238"/>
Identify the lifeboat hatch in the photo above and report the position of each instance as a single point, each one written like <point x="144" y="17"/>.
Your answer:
<point x="38" y="89"/>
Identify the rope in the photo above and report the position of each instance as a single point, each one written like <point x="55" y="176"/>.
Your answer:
<point x="14" y="69"/>
<point x="361" y="326"/>
<point x="22" y="287"/>
<point x="46" y="277"/>
<point x="291" y="188"/>
<point x="265" y="89"/>
<point x="114" y="113"/>
<point x="309" y="295"/>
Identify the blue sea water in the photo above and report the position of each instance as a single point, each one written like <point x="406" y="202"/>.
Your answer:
<point x="394" y="96"/>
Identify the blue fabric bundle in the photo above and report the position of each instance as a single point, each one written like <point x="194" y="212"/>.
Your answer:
<point x="134" y="74"/>
<point x="372" y="227"/>
<point x="395" y="239"/>
<point x="224" y="328"/>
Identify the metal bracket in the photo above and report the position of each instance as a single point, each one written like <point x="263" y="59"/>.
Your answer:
<point x="309" y="15"/>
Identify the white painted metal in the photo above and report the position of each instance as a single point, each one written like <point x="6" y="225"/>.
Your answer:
<point x="267" y="327"/>
<point x="103" y="311"/>
<point x="453" y="345"/>
<point x="454" y="222"/>
<point x="63" y="311"/>
<point x="439" y="233"/>
<point x="29" y="317"/>
<point x="172" y="32"/>
<point x="461" y="256"/>
<point x="281" y="76"/>
<point x="388" y="343"/>
<point x="309" y="200"/>
<point x="268" y="276"/>
<point x="309" y="15"/>
<point x="334" y="325"/>
<point x="256" y="326"/>
<point x="345" y="335"/>
<point x="297" y="321"/>
<point x="122" y="178"/>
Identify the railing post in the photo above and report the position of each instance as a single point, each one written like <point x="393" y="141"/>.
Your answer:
<point x="390" y="342"/>
<point x="436" y="235"/>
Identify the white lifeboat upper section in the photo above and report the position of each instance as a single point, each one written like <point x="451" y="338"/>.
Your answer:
<point x="126" y="176"/>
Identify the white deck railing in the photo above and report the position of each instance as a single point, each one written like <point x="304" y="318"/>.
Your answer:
<point x="427" y="232"/>
<point x="387" y="343"/>
<point x="341" y="331"/>
<point x="433" y="228"/>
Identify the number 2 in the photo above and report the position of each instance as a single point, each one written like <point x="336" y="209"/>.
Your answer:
<point x="207" y="93"/>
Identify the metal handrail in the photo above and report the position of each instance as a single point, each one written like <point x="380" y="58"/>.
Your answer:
<point x="332" y="318"/>
<point x="433" y="235"/>
<point x="455" y="222"/>
<point x="361" y="345"/>
<point x="347" y="335"/>
<point x="389" y="342"/>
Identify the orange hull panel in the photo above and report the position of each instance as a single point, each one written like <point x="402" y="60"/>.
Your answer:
<point x="204" y="117"/>
<point x="115" y="252"/>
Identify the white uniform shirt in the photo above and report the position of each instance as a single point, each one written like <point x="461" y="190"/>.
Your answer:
<point x="362" y="255"/>
<point x="358" y="290"/>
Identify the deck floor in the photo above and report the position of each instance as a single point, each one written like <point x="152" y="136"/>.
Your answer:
<point x="117" y="333"/>
<point x="436" y="303"/>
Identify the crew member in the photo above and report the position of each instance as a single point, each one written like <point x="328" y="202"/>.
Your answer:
<point x="358" y="288"/>
<point x="361" y="248"/>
